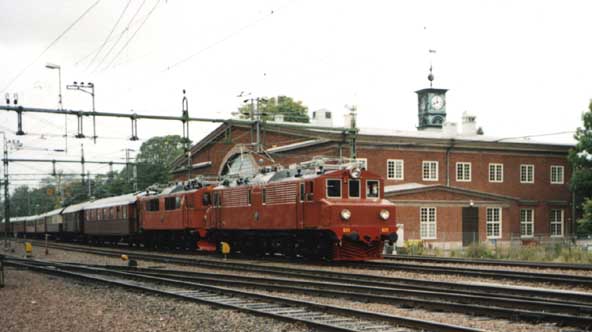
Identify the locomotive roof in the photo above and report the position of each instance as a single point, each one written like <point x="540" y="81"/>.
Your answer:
<point x="111" y="201"/>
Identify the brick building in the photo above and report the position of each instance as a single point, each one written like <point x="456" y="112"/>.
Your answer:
<point x="451" y="188"/>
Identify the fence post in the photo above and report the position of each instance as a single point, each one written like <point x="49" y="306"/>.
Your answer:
<point x="1" y="271"/>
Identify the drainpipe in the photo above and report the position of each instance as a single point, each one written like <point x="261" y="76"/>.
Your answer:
<point x="448" y="162"/>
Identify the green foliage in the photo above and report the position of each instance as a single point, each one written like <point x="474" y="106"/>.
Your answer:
<point x="293" y="111"/>
<point x="155" y="158"/>
<point x="580" y="158"/>
<point x="584" y="225"/>
<point x="479" y="250"/>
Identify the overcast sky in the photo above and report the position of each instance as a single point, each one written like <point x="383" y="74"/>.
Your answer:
<point x="522" y="67"/>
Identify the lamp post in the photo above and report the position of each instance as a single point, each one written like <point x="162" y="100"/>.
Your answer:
<point x="90" y="89"/>
<point x="60" y="100"/>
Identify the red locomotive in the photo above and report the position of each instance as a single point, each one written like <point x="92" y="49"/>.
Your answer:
<point x="334" y="212"/>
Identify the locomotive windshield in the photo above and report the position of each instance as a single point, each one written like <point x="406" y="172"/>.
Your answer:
<point x="354" y="188"/>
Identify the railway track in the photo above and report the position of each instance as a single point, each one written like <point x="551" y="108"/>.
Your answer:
<point x="361" y="279"/>
<point x="565" y="308"/>
<point x="550" y="278"/>
<point x="316" y="315"/>
<point x="490" y="262"/>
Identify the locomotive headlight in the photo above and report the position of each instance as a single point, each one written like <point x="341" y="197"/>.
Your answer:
<point x="345" y="214"/>
<point x="384" y="214"/>
<point x="355" y="172"/>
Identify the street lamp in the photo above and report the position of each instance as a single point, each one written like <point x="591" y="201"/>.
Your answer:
<point x="90" y="89"/>
<point x="60" y="101"/>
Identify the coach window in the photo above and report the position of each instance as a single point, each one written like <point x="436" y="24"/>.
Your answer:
<point x="333" y="188"/>
<point x="372" y="189"/>
<point x="354" y="188"/>
<point x="124" y="212"/>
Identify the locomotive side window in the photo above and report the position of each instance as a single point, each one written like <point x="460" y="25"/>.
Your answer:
<point x="249" y="197"/>
<point x="310" y="190"/>
<point x="354" y="188"/>
<point x="264" y="196"/>
<point x="189" y="200"/>
<point x="170" y="203"/>
<point x="205" y="200"/>
<point x="302" y="192"/>
<point x="333" y="188"/>
<point x="372" y="189"/>
<point x="152" y="205"/>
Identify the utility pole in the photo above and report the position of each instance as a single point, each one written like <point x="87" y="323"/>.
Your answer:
<point x="82" y="161"/>
<point x="90" y="89"/>
<point x="60" y="101"/>
<point x="88" y="180"/>
<point x="6" y="196"/>
<point x="185" y="116"/>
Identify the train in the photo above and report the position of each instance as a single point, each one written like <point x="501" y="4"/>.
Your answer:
<point x="331" y="212"/>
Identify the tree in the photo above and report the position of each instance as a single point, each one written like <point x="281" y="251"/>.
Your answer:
<point x="580" y="159"/>
<point x="155" y="158"/>
<point x="293" y="111"/>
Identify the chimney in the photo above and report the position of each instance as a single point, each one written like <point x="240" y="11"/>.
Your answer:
<point x="322" y="118"/>
<point x="469" y="124"/>
<point x="450" y="129"/>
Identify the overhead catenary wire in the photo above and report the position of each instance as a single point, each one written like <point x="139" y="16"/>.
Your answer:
<point x="11" y="82"/>
<point x="120" y="36"/>
<point x="109" y="35"/>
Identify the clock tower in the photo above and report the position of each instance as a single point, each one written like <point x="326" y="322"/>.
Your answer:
<point x="431" y="109"/>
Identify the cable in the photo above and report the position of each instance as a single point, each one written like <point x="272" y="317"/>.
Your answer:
<point x="109" y="35"/>
<point x="50" y="45"/>
<point x="134" y="35"/>
<point x="120" y="36"/>
<point x="220" y="41"/>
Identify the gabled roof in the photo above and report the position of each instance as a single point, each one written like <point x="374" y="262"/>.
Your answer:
<point x="413" y="188"/>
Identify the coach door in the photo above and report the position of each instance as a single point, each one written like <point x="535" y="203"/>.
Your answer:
<point x="470" y="225"/>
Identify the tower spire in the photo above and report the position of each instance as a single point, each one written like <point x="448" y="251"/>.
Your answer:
<point x="431" y="75"/>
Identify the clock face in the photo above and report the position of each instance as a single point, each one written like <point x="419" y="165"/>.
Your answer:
<point x="437" y="102"/>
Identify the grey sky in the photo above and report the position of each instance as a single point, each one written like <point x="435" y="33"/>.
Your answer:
<point x="522" y="67"/>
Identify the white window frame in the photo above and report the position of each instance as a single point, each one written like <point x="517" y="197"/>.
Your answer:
<point x="526" y="219"/>
<point x="429" y="163"/>
<point x="560" y="222"/>
<point x="562" y="173"/>
<point x="495" y="173"/>
<point x="493" y="222"/>
<point x="394" y="163"/>
<point x="464" y="178"/>
<point x="526" y="166"/>
<point x="430" y="225"/>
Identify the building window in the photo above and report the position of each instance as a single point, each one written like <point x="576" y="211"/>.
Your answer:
<point x="354" y="188"/>
<point x="333" y="188"/>
<point x="463" y="172"/>
<point x="526" y="173"/>
<point x="395" y="169"/>
<point x="526" y="222"/>
<point x="430" y="170"/>
<point x="557" y="174"/>
<point x="494" y="223"/>
<point x="427" y="223"/>
<point x="557" y="223"/>
<point x="496" y="172"/>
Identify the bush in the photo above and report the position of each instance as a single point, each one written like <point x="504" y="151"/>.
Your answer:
<point x="479" y="250"/>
